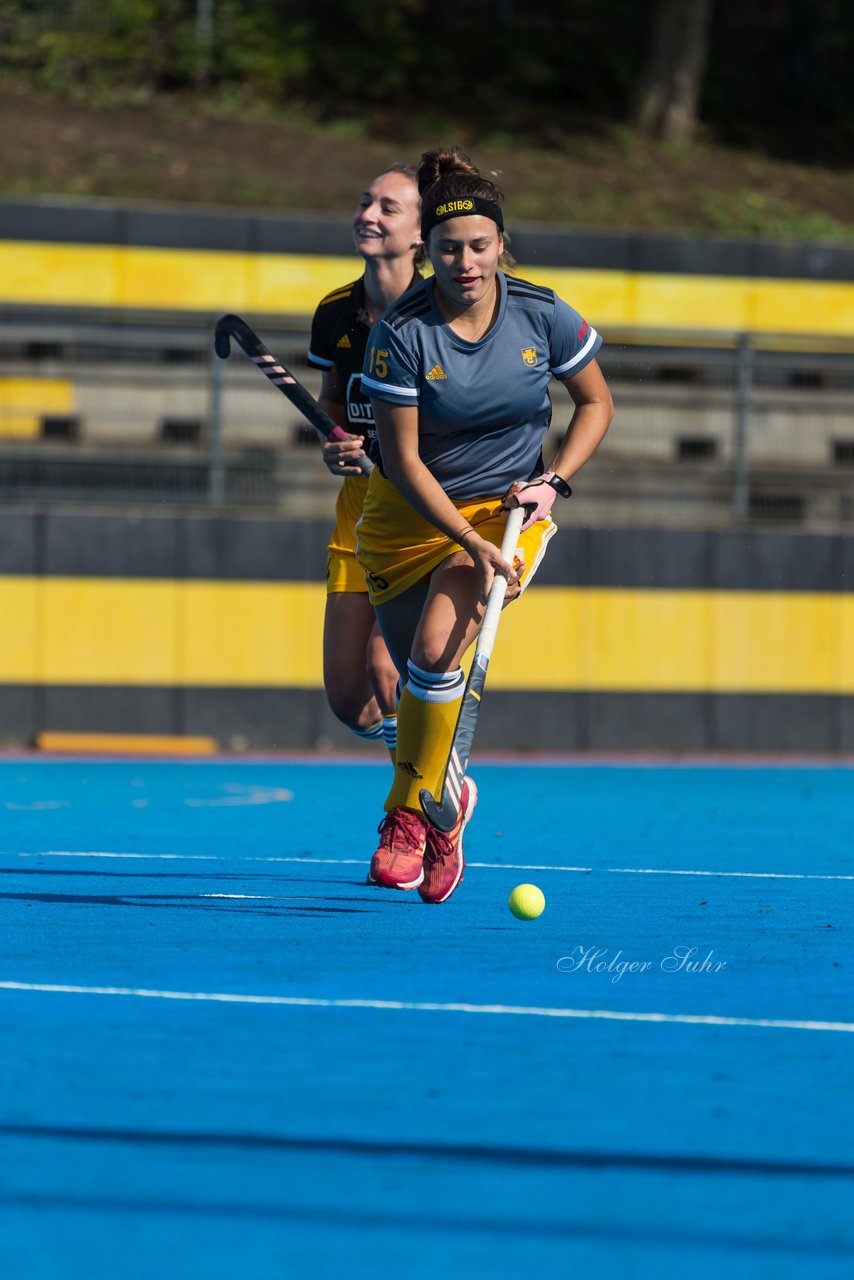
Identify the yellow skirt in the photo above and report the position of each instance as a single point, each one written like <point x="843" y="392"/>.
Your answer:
<point x="343" y="571"/>
<point x="397" y="547"/>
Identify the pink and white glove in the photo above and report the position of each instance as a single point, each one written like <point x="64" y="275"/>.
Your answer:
<point x="536" y="496"/>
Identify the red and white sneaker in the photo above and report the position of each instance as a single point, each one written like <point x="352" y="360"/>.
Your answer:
<point x="443" y="857"/>
<point x="399" y="861"/>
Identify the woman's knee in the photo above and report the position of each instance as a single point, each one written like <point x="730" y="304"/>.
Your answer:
<point x="431" y="654"/>
<point x="384" y="679"/>
<point x="353" y="709"/>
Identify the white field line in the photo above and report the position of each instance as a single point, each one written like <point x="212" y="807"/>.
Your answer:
<point x="183" y="857"/>
<point x="489" y="866"/>
<point x="753" y="875"/>
<point x="528" y="1011"/>
<point x="254" y="897"/>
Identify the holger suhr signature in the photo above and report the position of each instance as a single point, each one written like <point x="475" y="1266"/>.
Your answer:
<point x="681" y="959"/>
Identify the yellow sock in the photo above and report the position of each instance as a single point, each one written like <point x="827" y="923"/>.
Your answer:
<point x="424" y="733"/>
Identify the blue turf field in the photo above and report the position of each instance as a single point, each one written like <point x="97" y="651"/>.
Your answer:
<point x="223" y="1055"/>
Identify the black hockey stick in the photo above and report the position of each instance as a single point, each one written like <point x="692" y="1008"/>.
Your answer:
<point x="443" y="812"/>
<point x="228" y="327"/>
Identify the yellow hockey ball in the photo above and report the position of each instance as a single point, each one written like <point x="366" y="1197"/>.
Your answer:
<point x="526" y="902"/>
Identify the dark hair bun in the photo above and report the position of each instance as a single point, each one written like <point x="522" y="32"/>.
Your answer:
<point x="441" y="163"/>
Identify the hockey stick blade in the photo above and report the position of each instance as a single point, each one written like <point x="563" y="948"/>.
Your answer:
<point x="233" y="327"/>
<point x="222" y="340"/>
<point x="442" y="813"/>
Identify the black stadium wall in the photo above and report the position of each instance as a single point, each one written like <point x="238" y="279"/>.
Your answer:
<point x="628" y="640"/>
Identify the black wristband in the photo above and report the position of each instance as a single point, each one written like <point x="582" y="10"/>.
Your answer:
<point x="560" y="486"/>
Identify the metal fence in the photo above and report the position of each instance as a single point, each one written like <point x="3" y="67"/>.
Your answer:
<point x="709" y="428"/>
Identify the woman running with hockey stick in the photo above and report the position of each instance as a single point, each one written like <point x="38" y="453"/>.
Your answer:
<point x="359" y="677"/>
<point x="458" y="372"/>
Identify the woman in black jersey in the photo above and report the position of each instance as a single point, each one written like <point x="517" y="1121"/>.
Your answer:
<point x="359" y="676"/>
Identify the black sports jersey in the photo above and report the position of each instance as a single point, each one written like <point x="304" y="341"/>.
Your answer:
<point x="339" y="338"/>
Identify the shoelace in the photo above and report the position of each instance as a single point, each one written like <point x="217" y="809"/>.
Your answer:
<point x="401" y="823"/>
<point x="440" y="845"/>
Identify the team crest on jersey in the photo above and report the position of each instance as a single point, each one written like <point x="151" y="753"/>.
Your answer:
<point x="529" y="355"/>
<point x="344" y="342"/>
<point x="436" y="374"/>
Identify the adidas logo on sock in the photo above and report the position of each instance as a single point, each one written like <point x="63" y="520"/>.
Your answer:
<point x="436" y="373"/>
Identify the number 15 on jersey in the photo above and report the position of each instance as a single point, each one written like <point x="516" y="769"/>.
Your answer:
<point x="378" y="362"/>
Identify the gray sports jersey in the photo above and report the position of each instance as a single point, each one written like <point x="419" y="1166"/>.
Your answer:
<point x="483" y="406"/>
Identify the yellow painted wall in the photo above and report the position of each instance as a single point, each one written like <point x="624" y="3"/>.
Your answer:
<point x="25" y="401"/>
<point x="103" y="631"/>
<point x="196" y="280"/>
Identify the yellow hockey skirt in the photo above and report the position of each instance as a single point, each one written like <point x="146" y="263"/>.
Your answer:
<point x="343" y="571"/>
<point x="397" y="547"/>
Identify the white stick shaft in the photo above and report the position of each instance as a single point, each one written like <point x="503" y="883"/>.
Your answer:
<point x="443" y="812"/>
<point x="495" y="600"/>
